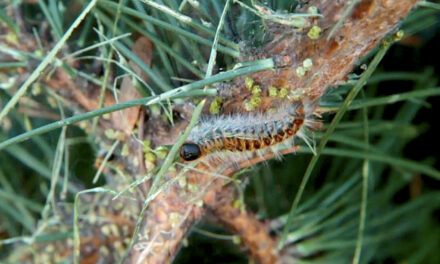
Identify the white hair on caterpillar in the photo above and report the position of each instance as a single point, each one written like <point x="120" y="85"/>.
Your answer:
<point x="241" y="136"/>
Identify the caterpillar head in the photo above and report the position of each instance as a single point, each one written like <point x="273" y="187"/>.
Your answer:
<point x="190" y="151"/>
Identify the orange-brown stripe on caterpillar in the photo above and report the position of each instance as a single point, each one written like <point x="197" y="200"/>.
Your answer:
<point x="244" y="132"/>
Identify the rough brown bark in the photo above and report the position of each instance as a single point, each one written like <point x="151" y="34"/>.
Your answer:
<point x="333" y="59"/>
<point x="253" y="233"/>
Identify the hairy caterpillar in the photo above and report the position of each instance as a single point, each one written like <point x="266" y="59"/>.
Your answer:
<point x="247" y="133"/>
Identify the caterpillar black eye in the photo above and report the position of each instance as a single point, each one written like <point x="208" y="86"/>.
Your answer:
<point x="190" y="151"/>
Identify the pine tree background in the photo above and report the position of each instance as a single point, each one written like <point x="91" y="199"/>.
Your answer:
<point x="386" y="141"/>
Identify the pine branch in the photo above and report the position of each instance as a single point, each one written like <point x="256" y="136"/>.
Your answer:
<point x="183" y="200"/>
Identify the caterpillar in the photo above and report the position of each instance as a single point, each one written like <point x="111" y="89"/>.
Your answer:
<point x="248" y="133"/>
